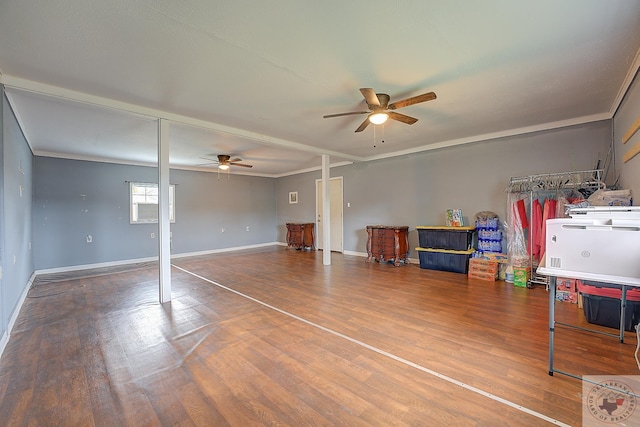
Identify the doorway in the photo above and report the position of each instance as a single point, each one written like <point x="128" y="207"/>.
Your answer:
<point x="335" y="220"/>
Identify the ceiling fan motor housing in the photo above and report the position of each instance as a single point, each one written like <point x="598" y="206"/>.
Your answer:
<point x="383" y="98"/>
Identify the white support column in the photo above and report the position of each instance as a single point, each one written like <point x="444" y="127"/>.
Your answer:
<point x="164" y="230"/>
<point x="326" y="211"/>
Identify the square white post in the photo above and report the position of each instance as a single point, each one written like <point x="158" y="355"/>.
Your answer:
<point x="164" y="230"/>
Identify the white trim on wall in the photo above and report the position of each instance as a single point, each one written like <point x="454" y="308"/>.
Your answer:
<point x="4" y="340"/>
<point x="149" y="259"/>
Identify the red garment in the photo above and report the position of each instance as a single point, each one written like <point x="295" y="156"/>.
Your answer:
<point x="535" y="229"/>
<point x="522" y="213"/>
<point x="549" y="213"/>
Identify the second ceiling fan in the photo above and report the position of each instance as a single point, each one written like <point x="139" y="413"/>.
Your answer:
<point x="379" y="108"/>
<point x="225" y="161"/>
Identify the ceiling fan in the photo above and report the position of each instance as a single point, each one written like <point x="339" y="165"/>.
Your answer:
<point x="225" y="162"/>
<point x="379" y="107"/>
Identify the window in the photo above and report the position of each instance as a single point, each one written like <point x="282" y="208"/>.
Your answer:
<point x="144" y="203"/>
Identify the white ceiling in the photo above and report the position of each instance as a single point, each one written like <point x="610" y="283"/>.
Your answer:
<point x="89" y="78"/>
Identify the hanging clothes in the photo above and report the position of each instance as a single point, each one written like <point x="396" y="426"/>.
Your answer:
<point x="516" y="241"/>
<point x="549" y="212"/>
<point x="522" y="213"/>
<point x="535" y="229"/>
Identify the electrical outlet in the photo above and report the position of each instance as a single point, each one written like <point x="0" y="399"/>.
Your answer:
<point x="89" y="238"/>
<point x="153" y="235"/>
<point x="248" y="229"/>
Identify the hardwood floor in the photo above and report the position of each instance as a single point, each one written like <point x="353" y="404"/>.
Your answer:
<point x="286" y="340"/>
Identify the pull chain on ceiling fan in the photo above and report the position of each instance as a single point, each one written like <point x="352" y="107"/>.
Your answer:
<point x="379" y="108"/>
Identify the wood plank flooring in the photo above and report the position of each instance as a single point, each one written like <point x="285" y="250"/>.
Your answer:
<point x="288" y="341"/>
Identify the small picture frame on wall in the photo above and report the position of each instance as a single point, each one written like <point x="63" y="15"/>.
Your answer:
<point x="293" y="197"/>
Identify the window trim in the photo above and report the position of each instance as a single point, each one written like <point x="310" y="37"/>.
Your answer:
<point x="172" y="205"/>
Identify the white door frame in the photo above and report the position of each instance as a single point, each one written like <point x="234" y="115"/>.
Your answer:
<point x="337" y="224"/>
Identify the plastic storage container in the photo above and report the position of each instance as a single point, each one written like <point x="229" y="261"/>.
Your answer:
<point x="601" y="304"/>
<point x="450" y="238"/>
<point x="605" y="311"/>
<point x="444" y="260"/>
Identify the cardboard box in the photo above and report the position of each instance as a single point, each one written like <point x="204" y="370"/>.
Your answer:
<point x="565" y="296"/>
<point x="478" y="265"/>
<point x="564" y="284"/>
<point x="454" y="218"/>
<point x="491" y="277"/>
<point x="495" y="257"/>
<point x="521" y="276"/>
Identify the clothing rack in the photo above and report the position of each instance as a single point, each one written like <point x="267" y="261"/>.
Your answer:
<point x="589" y="179"/>
<point x="586" y="182"/>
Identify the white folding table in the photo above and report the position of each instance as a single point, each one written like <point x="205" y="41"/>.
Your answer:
<point x="553" y="273"/>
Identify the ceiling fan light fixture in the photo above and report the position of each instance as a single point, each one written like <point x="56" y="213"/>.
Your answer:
<point x="378" y="118"/>
<point x="223" y="167"/>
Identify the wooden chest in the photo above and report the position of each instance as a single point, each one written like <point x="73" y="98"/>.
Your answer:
<point x="388" y="243"/>
<point x="301" y="236"/>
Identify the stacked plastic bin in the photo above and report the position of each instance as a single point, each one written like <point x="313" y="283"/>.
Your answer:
<point x="445" y="248"/>
<point x="601" y="304"/>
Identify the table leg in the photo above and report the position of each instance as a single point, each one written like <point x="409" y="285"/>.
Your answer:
<point x="623" y="305"/>
<point x="552" y="308"/>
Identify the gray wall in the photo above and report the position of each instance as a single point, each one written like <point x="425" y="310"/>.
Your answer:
<point x="207" y="202"/>
<point x="15" y="202"/>
<point x="626" y="115"/>
<point x="75" y="198"/>
<point x="417" y="189"/>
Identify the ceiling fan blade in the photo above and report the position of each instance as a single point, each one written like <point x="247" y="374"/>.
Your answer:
<point x="370" y="96"/>
<point x="363" y="125"/>
<point x="240" y="164"/>
<point x="401" y="117"/>
<point x="413" y="100"/>
<point x="210" y="160"/>
<point x="345" y="114"/>
<point x="237" y="159"/>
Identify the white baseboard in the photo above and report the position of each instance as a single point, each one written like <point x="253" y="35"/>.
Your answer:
<point x="14" y="315"/>
<point x="4" y="340"/>
<point x="218" y="251"/>
<point x="96" y="265"/>
<point x="149" y="259"/>
<point x="354" y="253"/>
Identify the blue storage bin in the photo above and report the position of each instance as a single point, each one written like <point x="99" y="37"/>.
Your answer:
<point x="450" y="238"/>
<point x="444" y="260"/>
